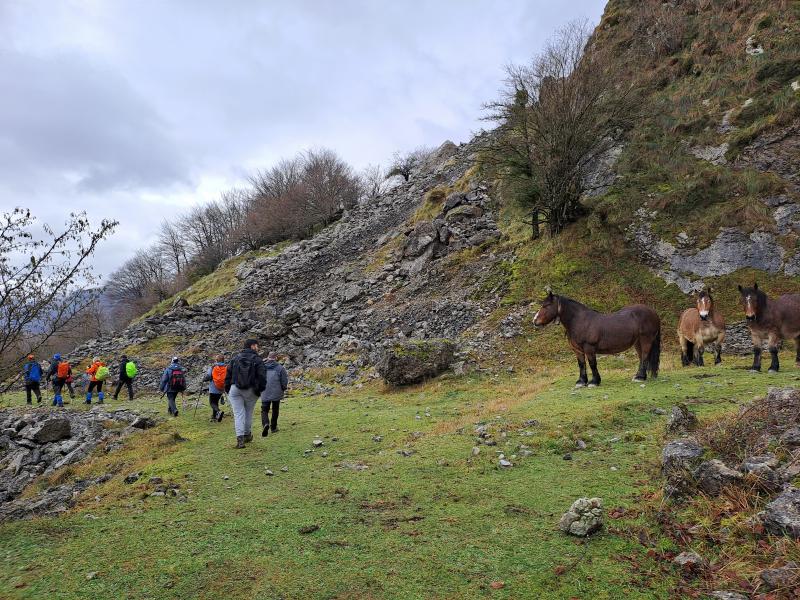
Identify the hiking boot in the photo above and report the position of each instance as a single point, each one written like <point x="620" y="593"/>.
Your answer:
<point x="265" y="431"/>
<point x="239" y="441"/>
<point x="220" y="415"/>
<point x="248" y="437"/>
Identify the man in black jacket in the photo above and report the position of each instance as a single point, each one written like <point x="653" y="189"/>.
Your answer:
<point x="123" y="378"/>
<point x="245" y="380"/>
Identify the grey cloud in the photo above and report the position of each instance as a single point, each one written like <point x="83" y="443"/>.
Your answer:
<point x="65" y="115"/>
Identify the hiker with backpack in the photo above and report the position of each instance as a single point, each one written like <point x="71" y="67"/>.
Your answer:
<point x="173" y="382"/>
<point x="277" y="382"/>
<point x="32" y="374"/>
<point x="245" y="379"/>
<point x="127" y="371"/>
<point x="98" y="372"/>
<point x="59" y="373"/>
<point x="216" y="387"/>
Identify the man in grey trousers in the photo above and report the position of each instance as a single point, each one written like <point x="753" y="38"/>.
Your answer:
<point x="277" y="382"/>
<point x="245" y="380"/>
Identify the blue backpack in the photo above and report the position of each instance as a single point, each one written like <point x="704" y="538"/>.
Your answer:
<point x="33" y="372"/>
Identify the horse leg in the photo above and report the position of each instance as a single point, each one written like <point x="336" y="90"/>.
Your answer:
<point x="699" y="350"/>
<point x="592" y="358"/>
<point x="757" y="341"/>
<point x="797" y="345"/>
<point x="684" y="349"/>
<point x="582" y="378"/>
<point x="774" y="366"/>
<point x="643" y="350"/>
<point x="720" y="339"/>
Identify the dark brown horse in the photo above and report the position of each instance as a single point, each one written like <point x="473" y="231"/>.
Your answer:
<point x="773" y="320"/>
<point x="699" y="326"/>
<point x="591" y="333"/>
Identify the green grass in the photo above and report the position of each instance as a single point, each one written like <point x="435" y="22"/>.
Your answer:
<point x="437" y="524"/>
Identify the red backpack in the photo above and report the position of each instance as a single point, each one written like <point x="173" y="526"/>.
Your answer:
<point x="218" y="373"/>
<point x="177" y="381"/>
<point x="63" y="370"/>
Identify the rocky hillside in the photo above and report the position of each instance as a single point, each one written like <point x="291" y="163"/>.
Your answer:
<point x="416" y="263"/>
<point x="704" y="189"/>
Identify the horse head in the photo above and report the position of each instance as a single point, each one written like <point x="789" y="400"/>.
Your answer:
<point x="548" y="312"/>
<point x="705" y="304"/>
<point x="752" y="301"/>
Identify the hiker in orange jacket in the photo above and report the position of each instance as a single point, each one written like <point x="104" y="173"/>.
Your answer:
<point x="95" y="381"/>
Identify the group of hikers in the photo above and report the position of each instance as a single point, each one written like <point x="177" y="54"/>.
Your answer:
<point x="244" y="380"/>
<point x="60" y="375"/>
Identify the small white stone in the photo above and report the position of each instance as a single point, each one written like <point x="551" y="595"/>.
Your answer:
<point x="505" y="463"/>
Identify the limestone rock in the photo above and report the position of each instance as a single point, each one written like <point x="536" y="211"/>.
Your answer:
<point x="681" y="420"/>
<point x="782" y="515"/>
<point x="712" y="476"/>
<point x="781" y="578"/>
<point x="584" y="517"/>
<point x="49" y="430"/>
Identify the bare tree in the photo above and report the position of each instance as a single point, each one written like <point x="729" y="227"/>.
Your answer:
<point x="557" y="116"/>
<point x="373" y="179"/>
<point x="173" y="246"/>
<point x="141" y="281"/>
<point x="41" y="271"/>
<point x="404" y="165"/>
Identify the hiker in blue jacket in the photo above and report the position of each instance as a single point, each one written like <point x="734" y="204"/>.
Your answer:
<point x="32" y="372"/>
<point x="173" y="382"/>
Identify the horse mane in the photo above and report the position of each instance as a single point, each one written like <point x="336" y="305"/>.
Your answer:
<point x="574" y="303"/>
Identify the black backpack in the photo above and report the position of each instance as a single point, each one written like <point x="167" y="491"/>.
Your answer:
<point x="177" y="381"/>
<point x="248" y="372"/>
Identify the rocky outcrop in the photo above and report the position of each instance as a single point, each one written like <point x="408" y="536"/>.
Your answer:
<point x="39" y="442"/>
<point x="584" y="517"/>
<point x="413" y="361"/>
<point x="679" y="459"/>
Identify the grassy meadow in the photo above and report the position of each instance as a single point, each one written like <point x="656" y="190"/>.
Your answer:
<point x="411" y="513"/>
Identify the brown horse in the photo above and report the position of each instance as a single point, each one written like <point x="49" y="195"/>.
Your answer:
<point x="699" y="326"/>
<point x="771" y="319"/>
<point x="591" y="333"/>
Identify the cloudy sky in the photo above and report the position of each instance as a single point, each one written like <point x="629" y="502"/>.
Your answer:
<point x="137" y="109"/>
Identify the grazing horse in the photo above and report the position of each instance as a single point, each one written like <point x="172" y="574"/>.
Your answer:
<point x="700" y="326"/>
<point x="591" y="333"/>
<point x="771" y="319"/>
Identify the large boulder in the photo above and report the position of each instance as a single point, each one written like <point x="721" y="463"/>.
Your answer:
<point x="412" y="361"/>
<point x="49" y="430"/>
<point x="584" y="517"/>
<point x="782" y="515"/>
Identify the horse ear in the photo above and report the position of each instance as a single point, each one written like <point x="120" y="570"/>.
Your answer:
<point x="741" y="289"/>
<point x="755" y="285"/>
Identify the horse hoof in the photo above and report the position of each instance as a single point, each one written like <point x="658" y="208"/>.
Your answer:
<point x="772" y="371"/>
<point x="638" y="380"/>
<point x="592" y="385"/>
<point x="580" y="385"/>
<point x="755" y="371"/>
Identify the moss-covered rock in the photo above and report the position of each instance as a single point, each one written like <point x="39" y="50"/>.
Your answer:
<point x="412" y="361"/>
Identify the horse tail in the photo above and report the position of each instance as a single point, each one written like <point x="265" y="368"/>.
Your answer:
<point x="654" y="357"/>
